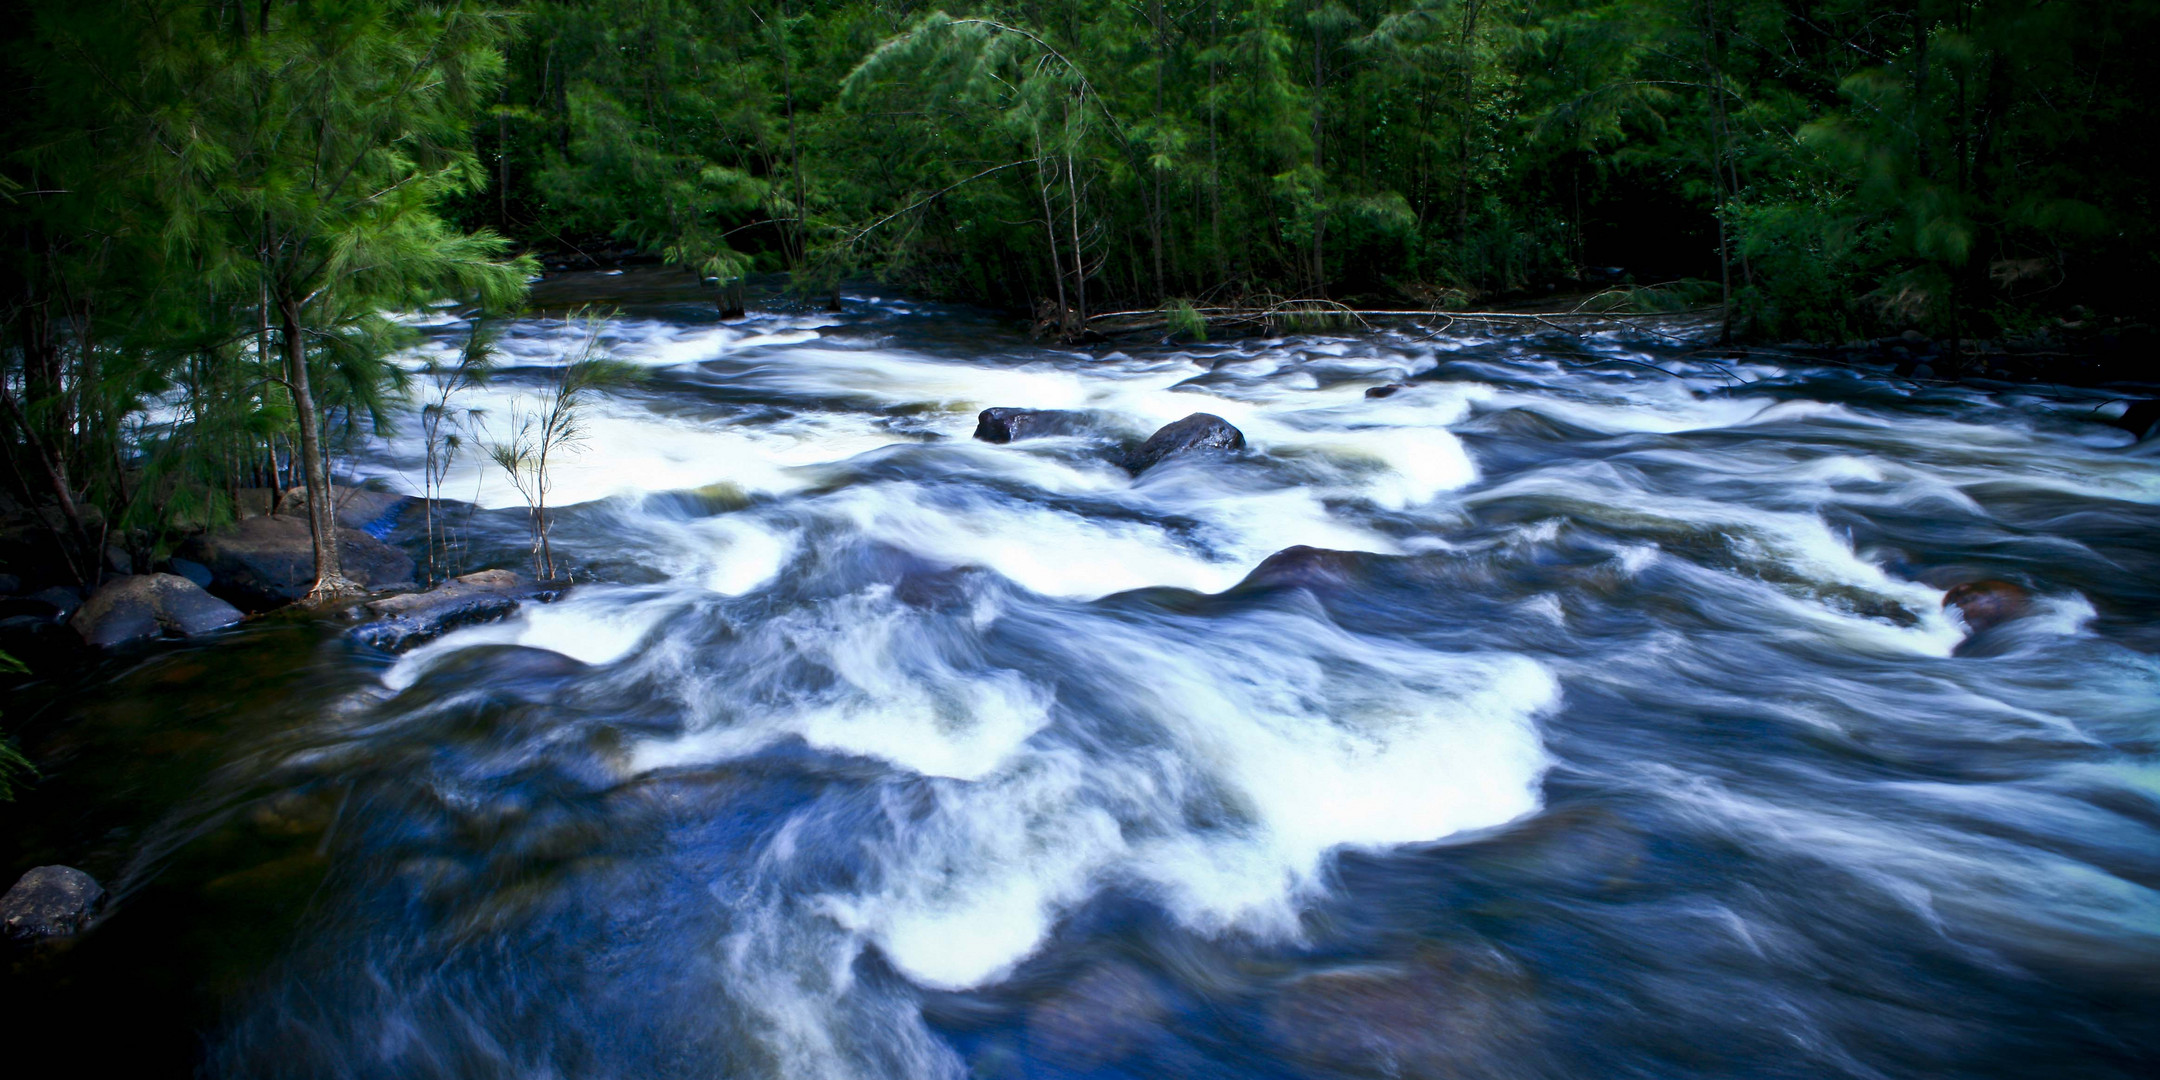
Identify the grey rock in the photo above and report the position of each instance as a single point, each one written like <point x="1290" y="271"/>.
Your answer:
<point x="119" y="561"/>
<point x="1390" y="390"/>
<point x="146" y="605"/>
<point x="1003" y="425"/>
<point x="412" y="618"/>
<point x="50" y="902"/>
<point x="191" y="570"/>
<point x="1200" y="431"/>
<point x="266" y="561"/>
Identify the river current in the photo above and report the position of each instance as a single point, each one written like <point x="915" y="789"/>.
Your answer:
<point x="1631" y="739"/>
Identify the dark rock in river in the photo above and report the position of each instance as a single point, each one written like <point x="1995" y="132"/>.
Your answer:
<point x="60" y="598"/>
<point x="1200" y="431"/>
<point x="1104" y="1015"/>
<point x="407" y="620"/>
<point x="1390" y="390"/>
<point x="1984" y="604"/>
<point x="1445" y="1012"/>
<point x="1002" y="425"/>
<point x="49" y="902"/>
<point x="147" y="605"/>
<point x="1304" y="567"/>
<point x="265" y="561"/>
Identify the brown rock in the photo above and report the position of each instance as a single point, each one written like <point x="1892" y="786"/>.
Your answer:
<point x="1984" y="604"/>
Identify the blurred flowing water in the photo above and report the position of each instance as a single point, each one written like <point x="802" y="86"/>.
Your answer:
<point x="1631" y="740"/>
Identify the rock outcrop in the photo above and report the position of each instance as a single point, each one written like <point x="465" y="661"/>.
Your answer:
<point x="1200" y="431"/>
<point x="404" y="621"/>
<point x="49" y="902"/>
<point x="267" y="561"/>
<point x="147" y="606"/>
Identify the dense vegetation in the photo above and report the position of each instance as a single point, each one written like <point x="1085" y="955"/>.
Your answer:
<point x="210" y="204"/>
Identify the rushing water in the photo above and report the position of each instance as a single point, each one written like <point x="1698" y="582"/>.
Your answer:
<point x="1633" y="742"/>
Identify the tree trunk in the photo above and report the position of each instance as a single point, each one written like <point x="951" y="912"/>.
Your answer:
<point x="330" y="579"/>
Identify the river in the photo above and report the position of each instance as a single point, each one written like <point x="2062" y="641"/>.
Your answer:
<point x="1634" y="740"/>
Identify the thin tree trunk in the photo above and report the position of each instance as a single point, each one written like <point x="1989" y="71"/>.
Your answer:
<point x="330" y="579"/>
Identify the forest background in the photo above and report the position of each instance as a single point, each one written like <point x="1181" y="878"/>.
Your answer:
<point x="212" y="207"/>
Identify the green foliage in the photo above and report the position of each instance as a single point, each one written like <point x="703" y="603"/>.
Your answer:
<point x="218" y="208"/>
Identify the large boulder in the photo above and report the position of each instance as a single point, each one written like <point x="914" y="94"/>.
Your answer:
<point x="411" y="618"/>
<point x="266" y="561"/>
<point x="49" y="902"/>
<point x="1200" y="431"/>
<point x="1002" y="425"/>
<point x="147" y="605"/>
<point x="375" y="513"/>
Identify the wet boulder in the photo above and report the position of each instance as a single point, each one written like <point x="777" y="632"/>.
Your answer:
<point x="1390" y="390"/>
<point x="1003" y="425"/>
<point x="49" y="902"/>
<point x="1985" y="604"/>
<point x="1200" y="431"/>
<point x="1303" y="567"/>
<point x="409" y="619"/>
<point x="147" y="605"/>
<point x="266" y="561"/>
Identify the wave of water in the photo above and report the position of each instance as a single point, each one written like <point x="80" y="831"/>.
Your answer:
<point x="1633" y="738"/>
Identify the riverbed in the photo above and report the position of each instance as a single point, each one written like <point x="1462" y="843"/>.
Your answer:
<point x="1630" y="738"/>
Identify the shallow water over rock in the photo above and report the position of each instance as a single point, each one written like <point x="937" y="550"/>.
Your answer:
<point x="1609" y="722"/>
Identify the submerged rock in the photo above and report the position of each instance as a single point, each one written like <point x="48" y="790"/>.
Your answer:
<point x="1302" y="566"/>
<point x="50" y="902"/>
<point x="409" y="619"/>
<point x="266" y="561"/>
<point x="1390" y="390"/>
<point x="1446" y="1012"/>
<point x="147" y="605"/>
<point x="1200" y="431"/>
<point x="1003" y="425"/>
<point x="1103" y="1016"/>
<point x="1984" y="604"/>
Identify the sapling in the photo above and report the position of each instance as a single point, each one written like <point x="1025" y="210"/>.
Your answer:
<point x="542" y="432"/>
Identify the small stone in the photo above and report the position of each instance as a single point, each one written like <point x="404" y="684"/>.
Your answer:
<point x="1390" y="390"/>
<point x="50" y="902"/>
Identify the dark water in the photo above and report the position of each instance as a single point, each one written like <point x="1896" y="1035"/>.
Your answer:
<point x="1631" y="741"/>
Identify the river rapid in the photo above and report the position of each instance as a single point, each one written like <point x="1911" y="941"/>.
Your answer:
<point x="1632" y="739"/>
